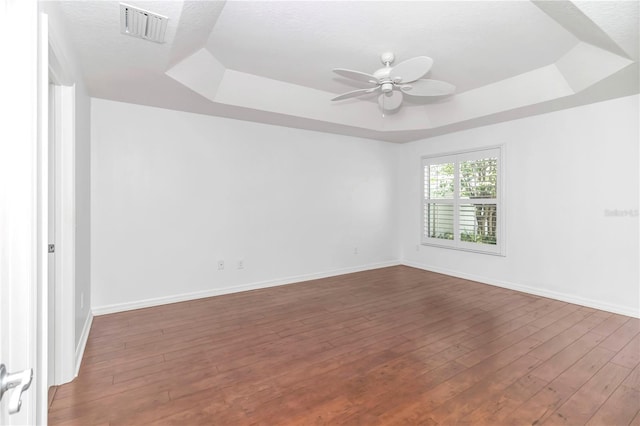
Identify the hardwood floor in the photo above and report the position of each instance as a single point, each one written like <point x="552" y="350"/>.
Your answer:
<point x="390" y="346"/>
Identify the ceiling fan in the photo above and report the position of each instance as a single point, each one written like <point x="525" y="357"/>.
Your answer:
<point x="393" y="82"/>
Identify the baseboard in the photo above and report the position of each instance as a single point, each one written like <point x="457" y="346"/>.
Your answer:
<point x="121" y="307"/>
<point x="82" y="343"/>
<point x="564" y="297"/>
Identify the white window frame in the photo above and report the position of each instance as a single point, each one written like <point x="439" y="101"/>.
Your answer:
<point x="457" y="243"/>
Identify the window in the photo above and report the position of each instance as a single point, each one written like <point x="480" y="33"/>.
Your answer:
<point x="461" y="207"/>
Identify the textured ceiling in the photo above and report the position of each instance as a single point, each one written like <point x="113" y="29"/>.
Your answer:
<point x="271" y="61"/>
<point x="300" y="42"/>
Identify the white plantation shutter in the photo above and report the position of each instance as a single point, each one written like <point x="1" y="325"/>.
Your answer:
<point x="461" y="203"/>
<point x="438" y="206"/>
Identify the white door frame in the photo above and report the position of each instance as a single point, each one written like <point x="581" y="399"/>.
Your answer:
<point x="64" y="139"/>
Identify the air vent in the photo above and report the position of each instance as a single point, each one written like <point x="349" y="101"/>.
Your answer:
<point x="142" y="23"/>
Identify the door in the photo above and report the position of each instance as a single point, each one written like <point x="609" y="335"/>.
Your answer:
<point x="23" y="220"/>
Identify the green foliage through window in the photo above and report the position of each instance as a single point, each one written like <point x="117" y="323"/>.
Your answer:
<point x="478" y="178"/>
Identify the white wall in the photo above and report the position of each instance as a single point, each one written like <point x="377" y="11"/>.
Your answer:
<point x="563" y="171"/>
<point x="173" y="192"/>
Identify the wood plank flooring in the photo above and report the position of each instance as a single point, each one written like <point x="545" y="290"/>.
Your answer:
<point x="390" y="346"/>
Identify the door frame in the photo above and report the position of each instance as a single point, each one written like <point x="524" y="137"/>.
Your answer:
<point x="64" y="362"/>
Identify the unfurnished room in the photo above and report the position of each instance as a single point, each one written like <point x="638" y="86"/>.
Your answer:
<point x="319" y="212"/>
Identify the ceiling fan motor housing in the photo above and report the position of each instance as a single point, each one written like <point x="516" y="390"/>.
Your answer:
<point x="382" y="73"/>
<point x="386" y="85"/>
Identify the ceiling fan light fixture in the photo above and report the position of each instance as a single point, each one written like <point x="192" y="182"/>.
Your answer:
<point x="390" y="102"/>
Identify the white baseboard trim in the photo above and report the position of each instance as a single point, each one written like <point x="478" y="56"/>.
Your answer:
<point x="82" y="343"/>
<point x="564" y="297"/>
<point x="128" y="306"/>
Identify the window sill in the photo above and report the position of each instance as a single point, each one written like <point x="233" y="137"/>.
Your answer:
<point x="497" y="251"/>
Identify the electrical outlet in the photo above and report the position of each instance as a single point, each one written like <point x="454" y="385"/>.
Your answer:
<point x="355" y="250"/>
<point x="240" y="264"/>
<point x="220" y="265"/>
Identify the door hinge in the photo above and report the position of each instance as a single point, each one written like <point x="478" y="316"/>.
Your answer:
<point x="52" y="248"/>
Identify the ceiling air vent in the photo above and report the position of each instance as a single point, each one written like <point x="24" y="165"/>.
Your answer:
<point x="142" y="23"/>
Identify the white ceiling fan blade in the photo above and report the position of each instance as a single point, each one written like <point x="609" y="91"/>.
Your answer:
<point x="356" y="75"/>
<point x="411" y="69"/>
<point x="355" y="93"/>
<point x="427" y="87"/>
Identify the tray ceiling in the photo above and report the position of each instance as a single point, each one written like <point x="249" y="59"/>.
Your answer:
<point x="271" y="61"/>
